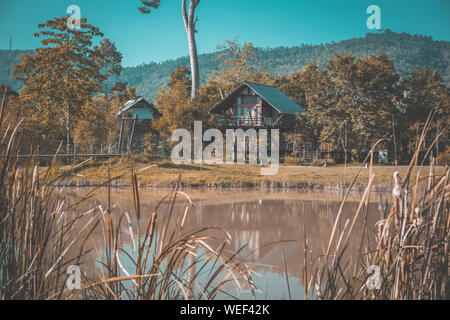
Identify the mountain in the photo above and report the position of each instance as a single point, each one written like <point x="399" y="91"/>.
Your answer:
<point x="15" y="57"/>
<point x="405" y="49"/>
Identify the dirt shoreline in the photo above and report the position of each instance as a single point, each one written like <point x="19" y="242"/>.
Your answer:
<point x="247" y="186"/>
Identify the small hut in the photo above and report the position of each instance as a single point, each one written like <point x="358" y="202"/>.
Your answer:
<point x="136" y="117"/>
<point x="140" y="109"/>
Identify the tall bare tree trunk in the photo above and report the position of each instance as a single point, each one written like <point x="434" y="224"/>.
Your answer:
<point x="195" y="72"/>
<point x="189" y="24"/>
<point x="189" y="20"/>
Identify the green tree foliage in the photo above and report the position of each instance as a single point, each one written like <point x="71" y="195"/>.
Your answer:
<point x="351" y="102"/>
<point x="174" y="101"/>
<point x="123" y="92"/>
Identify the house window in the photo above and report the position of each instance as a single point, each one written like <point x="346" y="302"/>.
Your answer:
<point x="248" y="109"/>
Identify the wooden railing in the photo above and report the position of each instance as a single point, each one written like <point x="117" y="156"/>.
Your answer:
<point x="234" y="121"/>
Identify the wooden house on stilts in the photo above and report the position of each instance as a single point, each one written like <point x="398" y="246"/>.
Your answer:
<point x="257" y="106"/>
<point x="136" y="117"/>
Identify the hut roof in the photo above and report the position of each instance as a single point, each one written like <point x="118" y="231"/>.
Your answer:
<point x="271" y="95"/>
<point x="130" y="104"/>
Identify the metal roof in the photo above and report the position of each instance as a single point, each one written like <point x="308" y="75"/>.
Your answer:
<point x="132" y="103"/>
<point x="271" y="95"/>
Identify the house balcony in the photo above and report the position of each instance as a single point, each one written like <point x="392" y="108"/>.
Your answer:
<point x="243" y="122"/>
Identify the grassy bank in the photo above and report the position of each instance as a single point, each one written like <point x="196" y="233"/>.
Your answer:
<point x="165" y="173"/>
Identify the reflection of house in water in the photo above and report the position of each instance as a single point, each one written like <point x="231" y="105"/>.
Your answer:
<point x="136" y="118"/>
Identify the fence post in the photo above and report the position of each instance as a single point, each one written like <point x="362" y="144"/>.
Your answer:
<point x="119" y="146"/>
<point x="130" y="142"/>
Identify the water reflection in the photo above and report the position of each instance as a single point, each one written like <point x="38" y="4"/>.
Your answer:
<point x="267" y="224"/>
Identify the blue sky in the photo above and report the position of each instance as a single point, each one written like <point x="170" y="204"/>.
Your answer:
<point x="267" y="23"/>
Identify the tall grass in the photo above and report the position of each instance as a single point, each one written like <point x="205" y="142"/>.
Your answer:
<point x="169" y="262"/>
<point x="411" y="246"/>
<point x="41" y="236"/>
<point x="35" y="231"/>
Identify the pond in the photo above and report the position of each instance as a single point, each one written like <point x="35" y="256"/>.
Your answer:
<point x="270" y="224"/>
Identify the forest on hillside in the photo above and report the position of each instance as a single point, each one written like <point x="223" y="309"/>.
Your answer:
<point x="15" y="58"/>
<point x="406" y="50"/>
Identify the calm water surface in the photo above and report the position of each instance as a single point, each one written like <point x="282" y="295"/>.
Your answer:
<point x="269" y="223"/>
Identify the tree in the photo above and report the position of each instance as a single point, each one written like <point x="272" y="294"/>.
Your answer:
<point x="174" y="103"/>
<point x="364" y="89"/>
<point x="123" y="93"/>
<point x="14" y="112"/>
<point x="178" y="111"/>
<point x="190" y="21"/>
<point x="97" y="125"/>
<point x="348" y="103"/>
<point x="109" y="60"/>
<point x="59" y="77"/>
<point x="312" y="89"/>
<point x="418" y="94"/>
<point x="238" y="62"/>
<point x="150" y="144"/>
